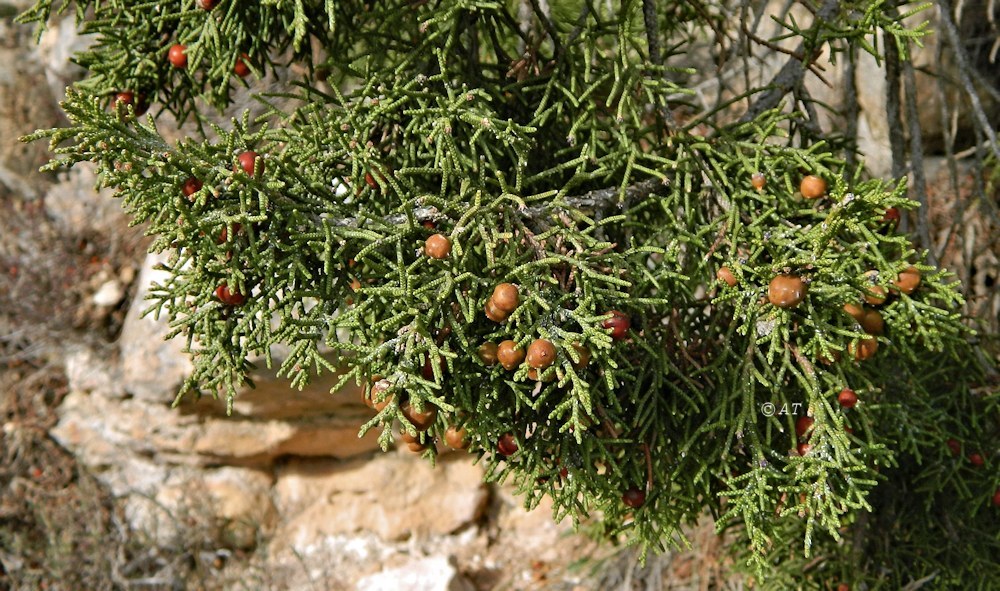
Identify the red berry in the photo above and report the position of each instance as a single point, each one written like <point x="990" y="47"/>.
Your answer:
<point x="758" y="180"/>
<point x="843" y="587"/>
<point x="177" y="56"/>
<point x="224" y="234"/>
<point x="191" y="186"/>
<point x="847" y="398"/>
<point x="206" y="4"/>
<point x="954" y="446"/>
<point x="247" y="162"/>
<point x="128" y="97"/>
<point x="241" y="68"/>
<point x="507" y="445"/>
<point x="996" y="498"/>
<point x="428" y="370"/>
<point x="803" y="448"/>
<point x="229" y="297"/>
<point x="803" y="424"/>
<point x="891" y="217"/>
<point x="618" y="324"/>
<point x="634" y="498"/>
<point x="976" y="460"/>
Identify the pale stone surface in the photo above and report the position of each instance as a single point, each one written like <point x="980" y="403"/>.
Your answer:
<point x="392" y="495"/>
<point x="152" y="368"/>
<point x="27" y="103"/>
<point x="434" y="573"/>
<point x="109" y="293"/>
<point x="86" y="371"/>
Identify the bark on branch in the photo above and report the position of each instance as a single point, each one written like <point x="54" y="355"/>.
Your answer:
<point x="790" y="75"/>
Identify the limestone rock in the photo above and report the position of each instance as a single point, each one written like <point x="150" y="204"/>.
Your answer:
<point x="152" y="368"/>
<point x="109" y="293"/>
<point x="58" y="44"/>
<point x="26" y="105"/>
<point x="433" y="573"/>
<point x="392" y="495"/>
<point x="87" y="371"/>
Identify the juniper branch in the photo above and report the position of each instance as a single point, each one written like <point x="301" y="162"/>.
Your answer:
<point x="596" y="200"/>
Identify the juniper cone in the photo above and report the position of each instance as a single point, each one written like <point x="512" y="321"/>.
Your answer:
<point x="565" y="151"/>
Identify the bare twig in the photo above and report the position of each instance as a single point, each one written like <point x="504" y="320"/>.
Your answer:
<point x="791" y="74"/>
<point x="652" y="30"/>
<point x="917" y="160"/>
<point x="964" y="67"/>
<point x="549" y="28"/>
<point x="806" y="365"/>
<point x="649" y="467"/>
<point x="598" y="199"/>
<point x="852" y="109"/>
<point x="897" y="143"/>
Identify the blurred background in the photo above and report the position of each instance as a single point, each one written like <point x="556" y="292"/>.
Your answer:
<point x="104" y="485"/>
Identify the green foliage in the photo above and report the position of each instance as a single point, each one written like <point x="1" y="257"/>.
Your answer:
<point x="547" y="152"/>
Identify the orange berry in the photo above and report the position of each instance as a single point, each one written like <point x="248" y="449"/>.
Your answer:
<point x="872" y="322"/>
<point x="541" y="354"/>
<point x="437" y="247"/>
<point x="506" y="297"/>
<point x="420" y="419"/>
<point x="812" y="187"/>
<point x="456" y="438"/>
<point x="584" y="354"/>
<point x="908" y="280"/>
<point x="863" y="349"/>
<point x="786" y="291"/>
<point x="493" y="313"/>
<point x="488" y="353"/>
<point x="509" y="355"/>
<point x="726" y="275"/>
